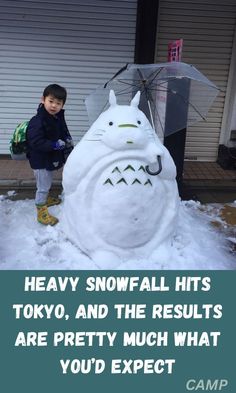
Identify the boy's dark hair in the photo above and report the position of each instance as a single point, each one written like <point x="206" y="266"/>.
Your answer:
<point x="56" y="91"/>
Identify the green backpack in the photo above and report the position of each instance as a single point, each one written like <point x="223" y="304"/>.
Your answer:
<point x="18" y="143"/>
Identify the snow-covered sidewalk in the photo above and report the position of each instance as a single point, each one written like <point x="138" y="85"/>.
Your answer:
<point x="25" y="244"/>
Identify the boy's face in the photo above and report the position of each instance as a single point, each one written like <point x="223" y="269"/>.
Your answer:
<point x="52" y="104"/>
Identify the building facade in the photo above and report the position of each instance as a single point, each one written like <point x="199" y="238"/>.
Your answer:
<point x="78" y="44"/>
<point x="81" y="44"/>
<point x="209" y="43"/>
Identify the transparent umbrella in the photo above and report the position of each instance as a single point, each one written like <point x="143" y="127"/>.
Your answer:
<point x="173" y="95"/>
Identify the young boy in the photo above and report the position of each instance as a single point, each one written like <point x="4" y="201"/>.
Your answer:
<point x="48" y="139"/>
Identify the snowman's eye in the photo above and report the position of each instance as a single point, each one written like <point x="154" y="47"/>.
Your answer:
<point x="139" y="122"/>
<point x="110" y="123"/>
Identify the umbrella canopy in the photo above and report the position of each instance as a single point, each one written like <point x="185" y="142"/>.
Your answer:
<point x="173" y="95"/>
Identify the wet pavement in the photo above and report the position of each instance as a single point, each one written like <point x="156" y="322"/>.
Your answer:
<point x="206" y="182"/>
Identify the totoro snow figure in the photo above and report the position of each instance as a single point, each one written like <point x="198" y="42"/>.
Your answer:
<point x="120" y="193"/>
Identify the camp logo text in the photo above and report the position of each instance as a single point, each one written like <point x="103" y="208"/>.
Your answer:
<point x="206" y="384"/>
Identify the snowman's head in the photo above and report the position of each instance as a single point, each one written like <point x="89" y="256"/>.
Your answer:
<point x="122" y="127"/>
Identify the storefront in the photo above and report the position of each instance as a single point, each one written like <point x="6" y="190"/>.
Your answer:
<point x="78" y="44"/>
<point x="208" y="32"/>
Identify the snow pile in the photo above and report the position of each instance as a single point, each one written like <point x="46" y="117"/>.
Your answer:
<point x="121" y="197"/>
<point x="26" y="244"/>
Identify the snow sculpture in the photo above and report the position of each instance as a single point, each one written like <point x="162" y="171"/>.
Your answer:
<point x="121" y="197"/>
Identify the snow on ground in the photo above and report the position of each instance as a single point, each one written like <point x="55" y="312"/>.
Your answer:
<point x="26" y="244"/>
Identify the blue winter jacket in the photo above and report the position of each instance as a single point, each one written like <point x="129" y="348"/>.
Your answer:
<point x="42" y="131"/>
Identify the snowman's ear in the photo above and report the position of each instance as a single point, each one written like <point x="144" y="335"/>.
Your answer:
<point x="135" y="100"/>
<point x="112" y="98"/>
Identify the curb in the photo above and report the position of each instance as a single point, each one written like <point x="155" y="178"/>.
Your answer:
<point x="210" y="185"/>
<point x="24" y="185"/>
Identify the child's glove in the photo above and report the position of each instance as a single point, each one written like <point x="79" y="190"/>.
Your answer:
<point x="69" y="142"/>
<point x="58" y="145"/>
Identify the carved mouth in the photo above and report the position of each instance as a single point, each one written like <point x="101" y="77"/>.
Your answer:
<point x="128" y="125"/>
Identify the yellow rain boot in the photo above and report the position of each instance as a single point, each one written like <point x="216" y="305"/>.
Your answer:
<point x="51" y="201"/>
<point x="44" y="217"/>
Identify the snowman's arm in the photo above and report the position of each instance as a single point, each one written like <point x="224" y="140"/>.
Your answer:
<point x="76" y="167"/>
<point x="82" y="159"/>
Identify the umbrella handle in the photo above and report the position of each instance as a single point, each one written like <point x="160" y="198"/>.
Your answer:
<point x="159" y="170"/>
